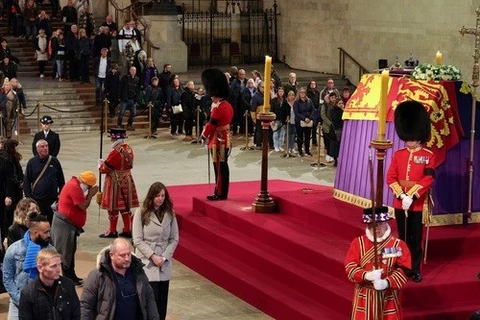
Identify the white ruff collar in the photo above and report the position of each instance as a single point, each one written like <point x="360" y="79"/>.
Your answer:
<point x="379" y="239"/>
<point x="117" y="142"/>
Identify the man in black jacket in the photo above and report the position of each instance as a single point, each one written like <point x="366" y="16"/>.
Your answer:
<point x="43" y="187"/>
<point x="112" y="89"/>
<point x="50" y="296"/>
<point x="130" y="93"/>
<point x="102" y="40"/>
<point x="47" y="134"/>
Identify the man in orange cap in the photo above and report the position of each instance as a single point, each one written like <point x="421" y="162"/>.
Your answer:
<point x="377" y="286"/>
<point x="69" y="220"/>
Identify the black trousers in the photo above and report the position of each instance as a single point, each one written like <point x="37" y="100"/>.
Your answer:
<point x="189" y="125"/>
<point x="160" y="291"/>
<point x="45" y="206"/>
<point x="303" y="138"/>
<point x="222" y="175"/>
<point x="413" y="236"/>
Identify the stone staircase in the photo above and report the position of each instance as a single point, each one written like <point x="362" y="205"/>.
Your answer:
<point x="72" y="105"/>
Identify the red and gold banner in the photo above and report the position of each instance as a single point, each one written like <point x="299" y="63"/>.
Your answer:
<point x="443" y="111"/>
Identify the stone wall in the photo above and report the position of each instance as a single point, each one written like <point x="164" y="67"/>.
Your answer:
<point x="310" y="32"/>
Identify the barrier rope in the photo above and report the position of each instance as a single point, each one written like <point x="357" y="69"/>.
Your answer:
<point x="78" y="111"/>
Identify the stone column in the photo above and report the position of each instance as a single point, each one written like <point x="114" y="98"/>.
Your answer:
<point x="165" y="33"/>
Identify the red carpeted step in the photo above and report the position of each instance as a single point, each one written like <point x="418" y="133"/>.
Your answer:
<point x="280" y="231"/>
<point x="454" y="241"/>
<point x="445" y="282"/>
<point x="459" y="311"/>
<point x="271" y="296"/>
<point x="296" y="271"/>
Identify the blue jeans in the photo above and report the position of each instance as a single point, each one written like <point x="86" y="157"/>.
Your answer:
<point x="291" y="136"/>
<point x="12" y="311"/>
<point x="60" y="68"/>
<point x="99" y="83"/>
<point x="127" y="105"/>
<point x="278" y="136"/>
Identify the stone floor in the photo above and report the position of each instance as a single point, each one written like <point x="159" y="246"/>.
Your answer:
<point x="173" y="162"/>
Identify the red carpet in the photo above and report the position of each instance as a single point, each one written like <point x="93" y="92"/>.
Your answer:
<point x="290" y="264"/>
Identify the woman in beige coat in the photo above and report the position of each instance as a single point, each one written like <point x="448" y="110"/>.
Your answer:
<point x="155" y="237"/>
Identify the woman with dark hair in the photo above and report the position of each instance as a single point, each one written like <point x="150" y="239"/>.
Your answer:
<point x="155" y="237"/>
<point x="10" y="151"/>
<point x="335" y="134"/>
<point x="174" y="100"/>
<point x="26" y="209"/>
<point x="314" y="94"/>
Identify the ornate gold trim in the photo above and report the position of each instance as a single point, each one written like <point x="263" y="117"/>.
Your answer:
<point x="436" y="220"/>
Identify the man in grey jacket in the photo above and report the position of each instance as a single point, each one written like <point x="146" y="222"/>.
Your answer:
<point x="118" y="288"/>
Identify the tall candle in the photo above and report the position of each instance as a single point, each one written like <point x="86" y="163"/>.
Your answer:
<point x="266" y="83"/>
<point x="438" y="58"/>
<point x="382" y="111"/>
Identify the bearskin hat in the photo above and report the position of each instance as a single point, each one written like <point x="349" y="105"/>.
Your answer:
<point x="215" y="83"/>
<point x="412" y="122"/>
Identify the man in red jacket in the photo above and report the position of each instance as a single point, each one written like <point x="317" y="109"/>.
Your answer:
<point x="410" y="177"/>
<point x="377" y="286"/>
<point x="217" y="130"/>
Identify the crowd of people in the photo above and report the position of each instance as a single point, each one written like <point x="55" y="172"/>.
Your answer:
<point x="42" y="217"/>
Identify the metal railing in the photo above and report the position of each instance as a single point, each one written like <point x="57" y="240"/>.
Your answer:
<point x="341" y="65"/>
<point x="129" y="13"/>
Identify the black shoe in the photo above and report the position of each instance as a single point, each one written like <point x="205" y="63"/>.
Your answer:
<point x="125" y="234"/>
<point x="417" y="277"/>
<point x="301" y="154"/>
<point x="214" y="197"/>
<point x="109" y="234"/>
<point x="76" y="278"/>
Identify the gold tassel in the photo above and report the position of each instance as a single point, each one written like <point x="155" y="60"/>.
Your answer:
<point x="214" y="152"/>
<point x="222" y="152"/>
<point x="99" y="197"/>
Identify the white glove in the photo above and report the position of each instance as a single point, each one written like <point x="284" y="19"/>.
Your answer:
<point x="374" y="275"/>
<point x="406" y="202"/>
<point x="100" y="162"/>
<point x="380" y="284"/>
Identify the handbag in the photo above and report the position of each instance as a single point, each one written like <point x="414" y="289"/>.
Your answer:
<point x="177" y="109"/>
<point x="274" y="125"/>
<point x="305" y="124"/>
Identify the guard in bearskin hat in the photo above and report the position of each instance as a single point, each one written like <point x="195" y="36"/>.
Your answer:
<point x="119" y="191"/>
<point x="410" y="177"/>
<point x="217" y="130"/>
<point x="377" y="287"/>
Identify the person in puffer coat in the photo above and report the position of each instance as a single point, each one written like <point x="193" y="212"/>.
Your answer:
<point x="118" y="288"/>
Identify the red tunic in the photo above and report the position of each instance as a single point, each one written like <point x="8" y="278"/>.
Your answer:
<point x="406" y="174"/>
<point x="393" y="256"/>
<point x="217" y="129"/>
<point x="117" y="167"/>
